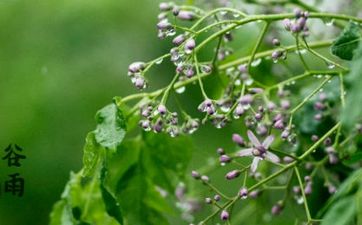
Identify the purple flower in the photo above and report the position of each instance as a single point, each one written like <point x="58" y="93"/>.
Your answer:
<point x="259" y="150"/>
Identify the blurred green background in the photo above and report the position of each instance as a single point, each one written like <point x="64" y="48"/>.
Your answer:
<point x="61" y="61"/>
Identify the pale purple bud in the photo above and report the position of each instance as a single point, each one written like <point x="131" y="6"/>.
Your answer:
<point x="285" y="134"/>
<point x="179" y="39"/>
<point x="288" y="159"/>
<point x="262" y="130"/>
<point x="217" y="198"/>
<point x="296" y="189"/>
<point x="276" y="54"/>
<point x="243" y="193"/>
<point x="330" y="150"/>
<point x="239" y="110"/>
<point x="195" y="175"/>
<point x="190" y="44"/>
<point x="157" y="128"/>
<point x="243" y="68"/>
<point x="306" y="14"/>
<point x="186" y="15"/>
<point x="145" y="124"/>
<point x="327" y="141"/>
<point x="232" y="174"/>
<point x="308" y="188"/>
<point x="224" y="215"/>
<point x="165" y="6"/>
<point x="277" y="117"/>
<point x="295" y="27"/>
<point x="322" y="96"/>
<point x="277" y="209"/>
<point x="208" y="200"/>
<point x="308" y="166"/>
<point x="314" y="138"/>
<point x="246" y="99"/>
<point x="205" y="178"/>
<point x="189" y="72"/>
<point x="162" y="109"/>
<point x="256" y="90"/>
<point x="176" y="10"/>
<point x="254" y="194"/>
<point x="279" y="124"/>
<point x="220" y="151"/>
<point x="287" y="24"/>
<point x="359" y="128"/>
<point x="307" y="178"/>
<point x="285" y="104"/>
<point x="298" y="13"/>
<point x="237" y="139"/>
<point x="225" y="158"/>
<point x="275" y="42"/>
<point x="164" y="24"/>
<point x="271" y="106"/>
<point x="258" y="116"/>
<point x="139" y="82"/>
<point x="331" y="189"/>
<point x="333" y="159"/>
<point x="162" y="16"/>
<point x="302" y="21"/>
<point x="136" y="67"/>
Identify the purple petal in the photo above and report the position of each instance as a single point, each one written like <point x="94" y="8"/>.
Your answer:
<point x="272" y="157"/>
<point x="268" y="141"/>
<point x="245" y="152"/>
<point x="254" y="164"/>
<point x="253" y="139"/>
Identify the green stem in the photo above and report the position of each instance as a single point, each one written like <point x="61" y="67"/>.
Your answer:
<point x="300" y="105"/>
<point x="307" y="211"/>
<point x="257" y="45"/>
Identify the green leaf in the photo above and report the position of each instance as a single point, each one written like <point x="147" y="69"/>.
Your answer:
<point x="111" y="127"/>
<point x="91" y="154"/>
<point x="112" y="206"/>
<point x="140" y="169"/>
<point x="342" y="212"/>
<point x="352" y="112"/>
<point x="81" y="204"/>
<point x="347" y="42"/>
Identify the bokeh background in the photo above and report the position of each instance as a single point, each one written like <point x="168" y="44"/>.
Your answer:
<point x="61" y="61"/>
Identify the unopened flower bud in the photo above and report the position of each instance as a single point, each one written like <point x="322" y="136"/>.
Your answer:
<point x="224" y="215"/>
<point x="195" y="174"/>
<point x="225" y="159"/>
<point x="275" y="42"/>
<point x="237" y="139"/>
<point x="277" y="208"/>
<point x="243" y="193"/>
<point x="178" y="40"/>
<point x="232" y="174"/>
<point x="220" y="151"/>
<point x="186" y="15"/>
<point x="205" y="178"/>
<point x="190" y="44"/>
<point x="165" y="6"/>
